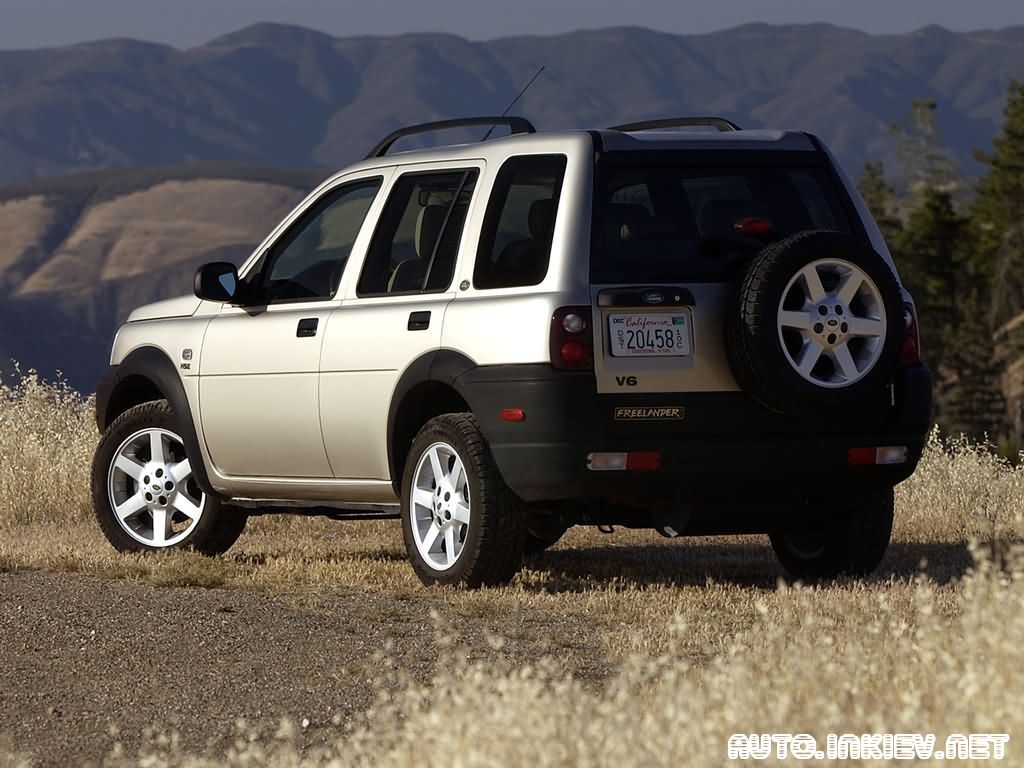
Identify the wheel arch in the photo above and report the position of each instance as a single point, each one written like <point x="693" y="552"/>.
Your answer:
<point x="148" y="374"/>
<point x="427" y="388"/>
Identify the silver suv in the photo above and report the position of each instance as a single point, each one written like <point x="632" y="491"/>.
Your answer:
<point x="675" y="325"/>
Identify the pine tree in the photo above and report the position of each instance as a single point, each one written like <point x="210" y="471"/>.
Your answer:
<point x="881" y="200"/>
<point x="998" y="231"/>
<point x="952" y="300"/>
<point x="998" y="213"/>
<point x="929" y="263"/>
<point x="937" y="256"/>
<point x="927" y="162"/>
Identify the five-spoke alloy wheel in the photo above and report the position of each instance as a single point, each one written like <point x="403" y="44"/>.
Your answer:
<point x="818" y="323"/>
<point x="460" y="523"/>
<point x="832" y="323"/>
<point x="145" y="493"/>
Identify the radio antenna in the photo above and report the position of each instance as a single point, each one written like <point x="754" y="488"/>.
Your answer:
<point x="514" y="101"/>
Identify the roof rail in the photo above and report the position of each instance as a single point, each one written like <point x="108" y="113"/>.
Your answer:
<point x="726" y="126"/>
<point x="515" y="125"/>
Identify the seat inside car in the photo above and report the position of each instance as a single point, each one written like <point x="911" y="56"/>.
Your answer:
<point x="409" y="274"/>
<point x="525" y="261"/>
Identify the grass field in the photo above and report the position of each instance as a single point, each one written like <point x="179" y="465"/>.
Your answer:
<point x="654" y="652"/>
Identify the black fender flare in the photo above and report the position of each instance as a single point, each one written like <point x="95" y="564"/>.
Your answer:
<point x="443" y="366"/>
<point x="154" y="365"/>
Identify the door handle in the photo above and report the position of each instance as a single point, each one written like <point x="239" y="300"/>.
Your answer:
<point x="307" y="327"/>
<point x="419" y="321"/>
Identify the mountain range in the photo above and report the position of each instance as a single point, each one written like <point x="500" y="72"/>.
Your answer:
<point x="282" y="96"/>
<point x="175" y="156"/>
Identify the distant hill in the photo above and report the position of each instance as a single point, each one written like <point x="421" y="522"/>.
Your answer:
<point x="78" y="253"/>
<point x="293" y="97"/>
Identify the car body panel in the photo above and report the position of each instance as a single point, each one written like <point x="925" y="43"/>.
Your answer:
<point x="298" y="421"/>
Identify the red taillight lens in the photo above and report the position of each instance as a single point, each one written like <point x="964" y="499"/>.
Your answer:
<point x="572" y="338"/>
<point x="754" y="227"/>
<point x="643" y="461"/>
<point x="910" y="354"/>
<point x="860" y="456"/>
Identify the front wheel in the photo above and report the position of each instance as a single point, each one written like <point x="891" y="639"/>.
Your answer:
<point x="145" y="495"/>
<point x="461" y="524"/>
<point x="850" y="538"/>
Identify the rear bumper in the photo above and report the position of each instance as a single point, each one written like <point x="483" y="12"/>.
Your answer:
<point x="725" y="445"/>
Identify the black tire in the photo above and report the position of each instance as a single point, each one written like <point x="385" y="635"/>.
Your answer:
<point x="219" y="526"/>
<point x="755" y="349"/>
<point x="850" y="540"/>
<point x="492" y="541"/>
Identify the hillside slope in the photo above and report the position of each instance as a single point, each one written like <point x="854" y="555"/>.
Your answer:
<point x="79" y="253"/>
<point x="294" y="97"/>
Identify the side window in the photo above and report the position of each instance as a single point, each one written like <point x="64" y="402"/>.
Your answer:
<point x="515" y="243"/>
<point x="417" y="240"/>
<point x="307" y="262"/>
<point x="817" y="204"/>
<point x="636" y="195"/>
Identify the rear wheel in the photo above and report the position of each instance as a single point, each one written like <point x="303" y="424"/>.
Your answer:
<point x="461" y="524"/>
<point x="851" y="539"/>
<point x="145" y="494"/>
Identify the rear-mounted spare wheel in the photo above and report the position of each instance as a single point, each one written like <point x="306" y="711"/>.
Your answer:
<point x="818" y="323"/>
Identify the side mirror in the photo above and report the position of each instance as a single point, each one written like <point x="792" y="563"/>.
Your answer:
<point x="217" y="281"/>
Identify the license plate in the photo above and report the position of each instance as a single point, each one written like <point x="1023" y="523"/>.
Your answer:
<point x="653" y="335"/>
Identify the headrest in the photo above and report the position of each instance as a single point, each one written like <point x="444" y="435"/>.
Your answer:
<point x="428" y="228"/>
<point x="719" y="217"/>
<point x="627" y="221"/>
<point x="542" y="219"/>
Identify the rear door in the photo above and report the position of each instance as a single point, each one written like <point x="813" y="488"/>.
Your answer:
<point x="673" y="232"/>
<point x="393" y="314"/>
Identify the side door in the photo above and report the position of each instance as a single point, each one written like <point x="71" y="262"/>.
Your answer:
<point x="395" y="313"/>
<point x="259" y="366"/>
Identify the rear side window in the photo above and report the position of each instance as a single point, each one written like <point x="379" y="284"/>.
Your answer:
<point x="417" y="240"/>
<point x="669" y="222"/>
<point x="515" y="241"/>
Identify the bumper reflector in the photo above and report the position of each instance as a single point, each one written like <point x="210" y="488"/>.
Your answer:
<point x="637" y="461"/>
<point x="513" y="414"/>
<point x="887" y="454"/>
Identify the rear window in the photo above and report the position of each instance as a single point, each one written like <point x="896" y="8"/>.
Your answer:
<point x="657" y="222"/>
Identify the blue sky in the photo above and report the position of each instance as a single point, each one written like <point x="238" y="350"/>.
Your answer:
<point x="32" y="23"/>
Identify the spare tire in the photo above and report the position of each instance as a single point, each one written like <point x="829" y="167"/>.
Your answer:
<point x="818" y="322"/>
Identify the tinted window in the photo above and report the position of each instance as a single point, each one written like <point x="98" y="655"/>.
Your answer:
<point x="307" y="262"/>
<point x="417" y="241"/>
<point x="658" y="223"/>
<point x="515" y="243"/>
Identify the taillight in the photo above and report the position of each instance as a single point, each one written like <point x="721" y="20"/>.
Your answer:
<point x="911" y="351"/>
<point x="572" y="338"/>
<point x="753" y="226"/>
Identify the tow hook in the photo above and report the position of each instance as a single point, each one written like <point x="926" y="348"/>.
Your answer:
<point x="606" y="529"/>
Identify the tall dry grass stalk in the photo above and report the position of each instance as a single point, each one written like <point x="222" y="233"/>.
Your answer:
<point x="47" y="437"/>
<point x="695" y="661"/>
<point x="795" y="669"/>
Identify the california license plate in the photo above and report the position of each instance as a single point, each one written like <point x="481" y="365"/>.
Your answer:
<point x="650" y="335"/>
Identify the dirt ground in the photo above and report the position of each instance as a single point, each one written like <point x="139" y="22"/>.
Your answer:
<point x="88" y="661"/>
<point x="83" y="659"/>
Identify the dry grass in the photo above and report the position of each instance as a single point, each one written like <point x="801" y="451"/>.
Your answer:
<point x="693" y="641"/>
